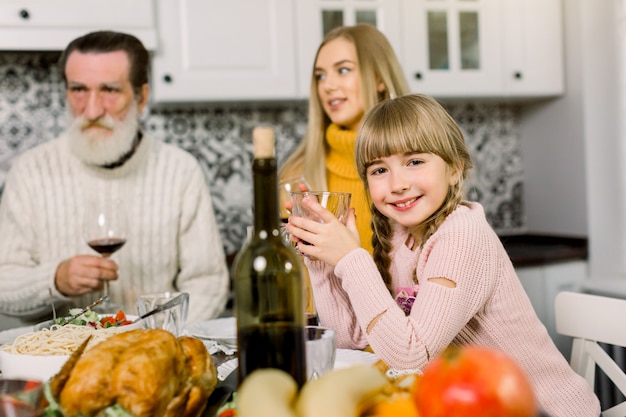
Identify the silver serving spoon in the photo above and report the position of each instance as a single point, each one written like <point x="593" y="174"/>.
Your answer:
<point x="86" y="309"/>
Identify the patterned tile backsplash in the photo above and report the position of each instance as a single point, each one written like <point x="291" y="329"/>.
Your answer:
<point x="32" y="111"/>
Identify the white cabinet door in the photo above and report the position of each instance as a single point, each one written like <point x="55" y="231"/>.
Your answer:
<point x="220" y="50"/>
<point x="451" y="47"/>
<point x="483" y="48"/>
<point x="533" y="52"/>
<point x="51" y="24"/>
<point x="542" y="284"/>
<point x="315" y="18"/>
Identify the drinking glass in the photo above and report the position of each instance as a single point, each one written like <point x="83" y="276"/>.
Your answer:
<point x="335" y="202"/>
<point x="172" y="319"/>
<point x="285" y="188"/>
<point x="105" y="229"/>
<point x="320" y="350"/>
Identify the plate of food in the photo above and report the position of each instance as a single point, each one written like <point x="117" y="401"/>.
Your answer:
<point x="41" y="352"/>
<point x="348" y="357"/>
<point x="176" y="377"/>
<point x="92" y="319"/>
<point x="222" y="330"/>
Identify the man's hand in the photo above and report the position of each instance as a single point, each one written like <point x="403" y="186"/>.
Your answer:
<point x="84" y="273"/>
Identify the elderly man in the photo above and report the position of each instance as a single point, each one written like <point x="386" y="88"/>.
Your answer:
<point x="172" y="244"/>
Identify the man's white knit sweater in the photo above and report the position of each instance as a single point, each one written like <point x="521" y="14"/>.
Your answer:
<point x="173" y="241"/>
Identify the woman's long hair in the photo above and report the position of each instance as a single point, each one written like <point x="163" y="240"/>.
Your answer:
<point x="376" y="62"/>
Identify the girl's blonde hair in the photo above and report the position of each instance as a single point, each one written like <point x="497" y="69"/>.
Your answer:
<point x="411" y="123"/>
<point x="377" y="62"/>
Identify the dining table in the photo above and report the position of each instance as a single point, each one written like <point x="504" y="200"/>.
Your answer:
<point x="219" y="337"/>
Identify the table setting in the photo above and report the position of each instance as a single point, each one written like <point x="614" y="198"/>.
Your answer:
<point x="168" y="311"/>
<point x="332" y="375"/>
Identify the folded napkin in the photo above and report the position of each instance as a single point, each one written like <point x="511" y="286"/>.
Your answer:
<point x="214" y="347"/>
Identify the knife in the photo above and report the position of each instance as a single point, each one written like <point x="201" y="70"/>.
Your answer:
<point x="222" y="394"/>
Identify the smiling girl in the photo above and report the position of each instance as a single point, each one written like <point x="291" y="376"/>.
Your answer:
<point x="439" y="275"/>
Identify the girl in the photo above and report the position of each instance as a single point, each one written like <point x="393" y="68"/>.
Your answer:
<point x="439" y="274"/>
<point x="355" y="68"/>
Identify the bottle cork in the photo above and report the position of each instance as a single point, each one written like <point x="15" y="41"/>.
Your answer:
<point x="263" y="141"/>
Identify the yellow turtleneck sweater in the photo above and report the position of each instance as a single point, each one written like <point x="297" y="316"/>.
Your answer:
<point x="342" y="175"/>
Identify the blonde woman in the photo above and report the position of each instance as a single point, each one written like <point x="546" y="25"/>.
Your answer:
<point x="355" y="68"/>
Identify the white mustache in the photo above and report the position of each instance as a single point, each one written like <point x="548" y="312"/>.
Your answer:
<point x="106" y="122"/>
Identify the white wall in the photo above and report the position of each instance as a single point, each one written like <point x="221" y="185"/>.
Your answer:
<point x="604" y="139"/>
<point x="553" y="151"/>
<point x="573" y="146"/>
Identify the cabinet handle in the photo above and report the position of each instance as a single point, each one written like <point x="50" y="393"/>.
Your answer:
<point x="24" y="14"/>
<point x="167" y="78"/>
<point x="418" y="75"/>
<point x="517" y="75"/>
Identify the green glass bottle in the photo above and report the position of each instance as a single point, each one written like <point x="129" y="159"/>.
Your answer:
<point x="268" y="277"/>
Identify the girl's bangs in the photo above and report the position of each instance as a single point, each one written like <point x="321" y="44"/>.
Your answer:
<point x="392" y="135"/>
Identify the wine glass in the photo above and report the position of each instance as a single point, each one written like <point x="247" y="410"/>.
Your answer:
<point x="285" y="188"/>
<point x="105" y="230"/>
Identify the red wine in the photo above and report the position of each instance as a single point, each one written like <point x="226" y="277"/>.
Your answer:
<point x="107" y="246"/>
<point x="312" y="319"/>
<point x="272" y="345"/>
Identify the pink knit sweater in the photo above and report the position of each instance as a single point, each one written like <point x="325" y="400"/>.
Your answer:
<point x="488" y="307"/>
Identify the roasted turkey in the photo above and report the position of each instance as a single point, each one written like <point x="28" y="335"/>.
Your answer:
<point x="150" y="373"/>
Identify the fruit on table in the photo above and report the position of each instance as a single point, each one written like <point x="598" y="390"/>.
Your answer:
<point x="345" y="392"/>
<point x="399" y="405"/>
<point x="462" y="382"/>
<point x="474" y="381"/>
<point x="267" y="392"/>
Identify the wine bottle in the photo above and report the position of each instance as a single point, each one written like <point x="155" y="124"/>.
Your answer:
<point x="268" y="280"/>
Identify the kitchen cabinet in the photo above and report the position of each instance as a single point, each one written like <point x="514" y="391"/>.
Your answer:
<point x="543" y="282"/>
<point x="315" y="18"/>
<point x="216" y="50"/>
<point x="41" y="25"/>
<point x="483" y="48"/>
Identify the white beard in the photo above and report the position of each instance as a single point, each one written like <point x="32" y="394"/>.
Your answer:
<point x="108" y="143"/>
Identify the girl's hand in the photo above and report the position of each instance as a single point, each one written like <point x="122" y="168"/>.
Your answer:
<point x="329" y="241"/>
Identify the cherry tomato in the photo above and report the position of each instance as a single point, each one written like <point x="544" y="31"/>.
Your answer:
<point x="120" y="316"/>
<point x="108" y="321"/>
<point x="31" y="385"/>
